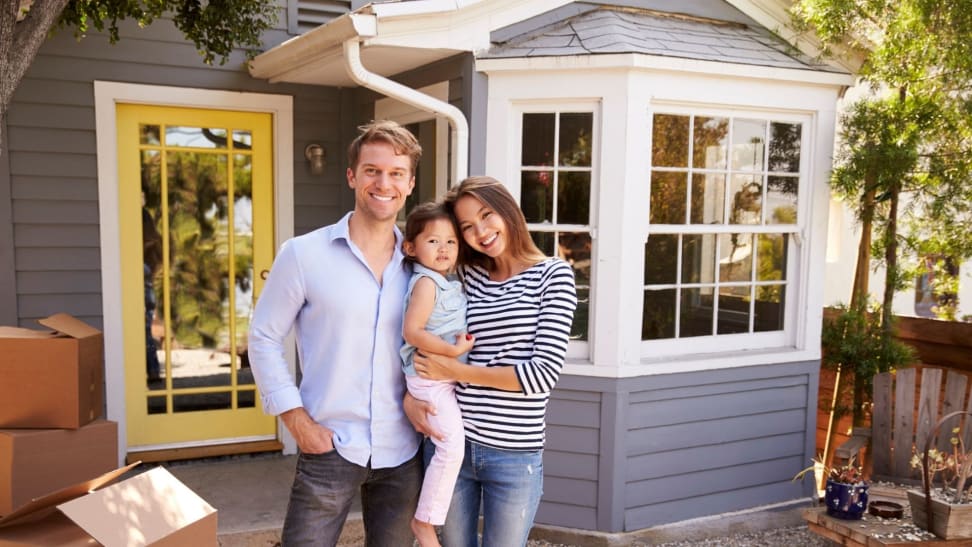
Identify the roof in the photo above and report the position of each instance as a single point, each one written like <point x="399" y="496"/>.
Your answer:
<point x="611" y="30"/>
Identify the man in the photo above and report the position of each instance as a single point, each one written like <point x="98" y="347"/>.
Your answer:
<point x="342" y="287"/>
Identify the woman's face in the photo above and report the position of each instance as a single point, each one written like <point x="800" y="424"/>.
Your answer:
<point x="482" y="228"/>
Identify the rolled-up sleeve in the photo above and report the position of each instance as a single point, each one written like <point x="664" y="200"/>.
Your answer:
<point x="273" y="318"/>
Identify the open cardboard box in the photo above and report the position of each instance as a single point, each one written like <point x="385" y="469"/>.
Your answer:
<point x="51" y="379"/>
<point x="151" y="508"/>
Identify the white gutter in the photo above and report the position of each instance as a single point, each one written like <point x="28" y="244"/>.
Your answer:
<point x="395" y="90"/>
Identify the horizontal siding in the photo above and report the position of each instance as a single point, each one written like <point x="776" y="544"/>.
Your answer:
<point x="55" y="235"/>
<point x="709" y="504"/>
<point x="571" y="516"/>
<point x="69" y="281"/>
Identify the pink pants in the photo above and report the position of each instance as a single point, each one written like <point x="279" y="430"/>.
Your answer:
<point x="441" y="473"/>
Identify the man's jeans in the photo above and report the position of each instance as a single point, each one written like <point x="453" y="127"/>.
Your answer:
<point x="506" y="484"/>
<point x="326" y="484"/>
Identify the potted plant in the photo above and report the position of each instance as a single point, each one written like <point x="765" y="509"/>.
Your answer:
<point x="945" y="511"/>
<point x="845" y="494"/>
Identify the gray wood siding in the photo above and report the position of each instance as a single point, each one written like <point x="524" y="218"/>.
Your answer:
<point x="627" y="454"/>
<point x="48" y="172"/>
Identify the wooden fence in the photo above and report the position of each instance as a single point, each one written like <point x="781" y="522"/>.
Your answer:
<point x="942" y="344"/>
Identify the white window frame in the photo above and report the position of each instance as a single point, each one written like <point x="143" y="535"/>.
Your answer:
<point x="576" y="349"/>
<point x="796" y="267"/>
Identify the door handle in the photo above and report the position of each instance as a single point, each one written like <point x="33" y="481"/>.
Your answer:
<point x="264" y="274"/>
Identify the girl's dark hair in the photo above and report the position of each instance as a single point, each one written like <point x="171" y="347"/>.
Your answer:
<point x="491" y="193"/>
<point x="420" y="216"/>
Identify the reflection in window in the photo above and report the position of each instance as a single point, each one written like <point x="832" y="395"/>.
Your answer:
<point x="555" y="194"/>
<point x="717" y="185"/>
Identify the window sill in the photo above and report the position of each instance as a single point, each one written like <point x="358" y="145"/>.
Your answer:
<point x="692" y="363"/>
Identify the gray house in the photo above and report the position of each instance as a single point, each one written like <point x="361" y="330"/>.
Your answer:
<point x="676" y="153"/>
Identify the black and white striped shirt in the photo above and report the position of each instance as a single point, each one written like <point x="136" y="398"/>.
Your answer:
<point x="522" y="322"/>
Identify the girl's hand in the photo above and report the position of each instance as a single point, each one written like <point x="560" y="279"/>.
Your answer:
<point x="433" y="366"/>
<point x="464" y="343"/>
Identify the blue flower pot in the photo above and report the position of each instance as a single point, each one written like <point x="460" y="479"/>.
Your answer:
<point x="846" y="501"/>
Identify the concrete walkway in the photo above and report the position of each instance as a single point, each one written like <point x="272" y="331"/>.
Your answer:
<point x="250" y="494"/>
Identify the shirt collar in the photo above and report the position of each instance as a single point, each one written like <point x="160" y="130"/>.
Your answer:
<point x="342" y="230"/>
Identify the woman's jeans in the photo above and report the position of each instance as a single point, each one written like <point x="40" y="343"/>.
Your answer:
<point x="505" y="484"/>
<point x="324" y="487"/>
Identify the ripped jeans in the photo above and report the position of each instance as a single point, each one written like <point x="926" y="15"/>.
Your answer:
<point x="505" y="484"/>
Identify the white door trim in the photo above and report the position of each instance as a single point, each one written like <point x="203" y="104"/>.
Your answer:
<point x="107" y="95"/>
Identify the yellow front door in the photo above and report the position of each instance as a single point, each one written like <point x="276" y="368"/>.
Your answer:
<point x="196" y="217"/>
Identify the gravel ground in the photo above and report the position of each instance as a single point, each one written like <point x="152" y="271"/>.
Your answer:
<point x="797" y="536"/>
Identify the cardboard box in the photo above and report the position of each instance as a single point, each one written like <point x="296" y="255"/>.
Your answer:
<point x="51" y="379"/>
<point x="151" y="508"/>
<point x="36" y="462"/>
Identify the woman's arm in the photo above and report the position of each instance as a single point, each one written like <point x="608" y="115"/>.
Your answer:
<point x="420" y="306"/>
<point x="434" y="366"/>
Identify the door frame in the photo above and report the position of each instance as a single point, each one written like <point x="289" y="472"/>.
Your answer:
<point x="107" y="95"/>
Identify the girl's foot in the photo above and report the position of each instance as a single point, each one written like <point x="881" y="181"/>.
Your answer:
<point x="425" y="534"/>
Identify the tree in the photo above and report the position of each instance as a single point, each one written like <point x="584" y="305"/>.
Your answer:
<point x="216" y="27"/>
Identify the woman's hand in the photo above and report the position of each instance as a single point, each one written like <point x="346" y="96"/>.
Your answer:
<point x="417" y="412"/>
<point x="433" y="366"/>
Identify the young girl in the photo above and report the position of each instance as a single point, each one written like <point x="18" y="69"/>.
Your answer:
<point x="435" y="316"/>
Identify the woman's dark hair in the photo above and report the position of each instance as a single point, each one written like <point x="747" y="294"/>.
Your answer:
<point x="491" y="193"/>
<point x="420" y="216"/>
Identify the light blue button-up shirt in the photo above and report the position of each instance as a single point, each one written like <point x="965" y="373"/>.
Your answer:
<point x="349" y="332"/>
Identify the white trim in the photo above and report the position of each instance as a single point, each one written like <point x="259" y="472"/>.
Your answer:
<point x="674" y="64"/>
<point x="107" y="96"/>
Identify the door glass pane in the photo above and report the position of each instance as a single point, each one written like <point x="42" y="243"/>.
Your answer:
<point x="242" y="262"/>
<point x="149" y="134"/>
<point x="195" y="137"/>
<point x="192" y="402"/>
<point x="574" y="198"/>
<point x="575" y="139"/>
<point x="242" y="140"/>
<point x="152" y="264"/>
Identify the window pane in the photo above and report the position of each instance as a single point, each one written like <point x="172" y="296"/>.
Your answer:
<point x="733" y="310"/>
<point x="196" y="137"/>
<point x="670" y="141"/>
<point x="578" y="331"/>
<point x="698" y="258"/>
<point x="545" y="241"/>
<point x="746" y="199"/>
<point x="748" y="143"/>
<point x="660" y="259"/>
<point x="667" y="198"/>
<point x="574" y="198"/>
<point x="781" y="200"/>
<point x="538" y="139"/>
<point x="536" y="195"/>
<point x="736" y="252"/>
<point x="658" y="319"/>
<point x="575" y="139"/>
<point x="575" y="249"/>
<point x="708" y="199"/>
<point x="149" y="134"/>
<point x="696" y="312"/>
<point x="771" y="257"/>
<point x="709" y="142"/>
<point x="769" y="308"/>
<point x="784" y="149"/>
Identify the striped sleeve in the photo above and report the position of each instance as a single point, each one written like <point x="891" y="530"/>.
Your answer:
<point x="558" y="299"/>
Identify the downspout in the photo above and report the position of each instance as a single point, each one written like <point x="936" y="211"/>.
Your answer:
<point x="395" y="90"/>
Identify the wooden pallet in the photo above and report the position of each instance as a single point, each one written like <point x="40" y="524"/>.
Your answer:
<point x="864" y="533"/>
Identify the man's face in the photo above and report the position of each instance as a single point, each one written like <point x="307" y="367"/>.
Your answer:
<point x="381" y="181"/>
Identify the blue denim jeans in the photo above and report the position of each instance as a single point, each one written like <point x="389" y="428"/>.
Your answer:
<point x="505" y="484"/>
<point x="326" y="484"/>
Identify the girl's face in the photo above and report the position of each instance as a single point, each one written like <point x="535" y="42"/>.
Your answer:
<point x="482" y="228"/>
<point x="436" y="246"/>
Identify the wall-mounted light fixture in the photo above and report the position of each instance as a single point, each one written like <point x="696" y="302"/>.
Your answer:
<point x="315" y="155"/>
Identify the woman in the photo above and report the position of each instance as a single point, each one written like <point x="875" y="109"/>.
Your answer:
<point x="520" y="308"/>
